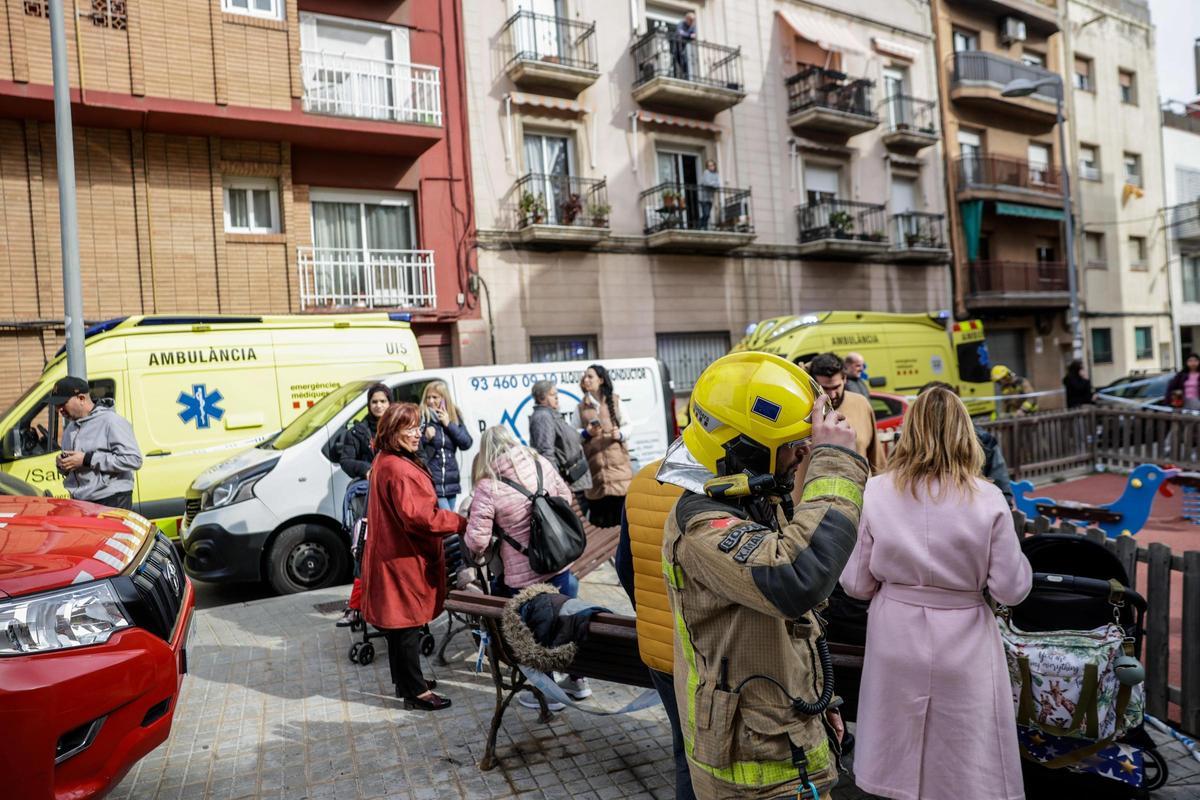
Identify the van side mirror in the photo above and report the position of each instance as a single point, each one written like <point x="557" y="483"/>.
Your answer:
<point x="11" y="446"/>
<point x="877" y="382"/>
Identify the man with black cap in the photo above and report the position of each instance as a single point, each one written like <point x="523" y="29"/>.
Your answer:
<point x="99" y="452"/>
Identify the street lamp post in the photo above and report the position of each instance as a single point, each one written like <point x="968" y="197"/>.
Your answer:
<point x="1022" y="87"/>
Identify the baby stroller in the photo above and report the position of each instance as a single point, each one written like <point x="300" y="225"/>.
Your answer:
<point x="354" y="522"/>
<point x="1080" y="586"/>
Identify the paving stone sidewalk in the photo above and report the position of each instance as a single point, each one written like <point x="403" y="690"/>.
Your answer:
<point x="274" y="709"/>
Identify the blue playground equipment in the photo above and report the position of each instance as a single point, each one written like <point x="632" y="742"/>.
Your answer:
<point x="1190" y="482"/>
<point x="1123" y="517"/>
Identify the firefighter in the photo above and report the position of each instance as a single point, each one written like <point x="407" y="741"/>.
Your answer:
<point x="746" y="574"/>
<point x="1013" y="384"/>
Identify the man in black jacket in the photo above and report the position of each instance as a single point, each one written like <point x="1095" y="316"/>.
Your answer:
<point x="554" y="438"/>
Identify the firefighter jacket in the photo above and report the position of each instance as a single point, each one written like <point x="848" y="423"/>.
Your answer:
<point x="1019" y="386"/>
<point x="742" y="593"/>
<point x="647" y="507"/>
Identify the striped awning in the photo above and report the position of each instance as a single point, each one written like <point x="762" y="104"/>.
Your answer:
<point x="541" y="101"/>
<point x="890" y="47"/>
<point x="678" y="122"/>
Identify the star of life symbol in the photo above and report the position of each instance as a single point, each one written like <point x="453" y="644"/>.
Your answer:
<point x="201" y="405"/>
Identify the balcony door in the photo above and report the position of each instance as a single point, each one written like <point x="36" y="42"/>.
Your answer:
<point x="681" y="169"/>
<point x="904" y="200"/>
<point x="540" y="35"/>
<point x="353" y="68"/>
<point x="1039" y="164"/>
<point x="970" y="147"/>
<point x="821" y="183"/>
<point x="552" y="158"/>
<point x="895" y="87"/>
<point x="362" y="245"/>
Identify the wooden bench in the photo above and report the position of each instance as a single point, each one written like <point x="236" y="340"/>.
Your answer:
<point x="609" y="654"/>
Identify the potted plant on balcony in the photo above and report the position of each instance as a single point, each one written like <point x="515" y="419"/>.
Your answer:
<point x="842" y="224"/>
<point x="874" y="236"/>
<point x="599" y="213"/>
<point x="572" y="209"/>
<point x="533" y="209"/>
<point x="671" y="198"/>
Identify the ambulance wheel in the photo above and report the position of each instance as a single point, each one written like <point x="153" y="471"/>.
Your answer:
<point x="366" y="654"/>
<point x="354" y="652"/>
<point x="427" y="644"/>
<point x="306" y="556"/>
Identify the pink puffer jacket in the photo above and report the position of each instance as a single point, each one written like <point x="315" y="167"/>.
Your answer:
<point x="495" y="501"/>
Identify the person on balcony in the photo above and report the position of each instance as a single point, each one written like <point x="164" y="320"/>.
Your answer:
<point x="710" y="187"/>
<point x="683" y="42"/>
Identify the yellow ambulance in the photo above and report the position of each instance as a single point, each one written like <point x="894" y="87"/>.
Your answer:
<point x="199" y="388"/>
<point x="903" y="352"/>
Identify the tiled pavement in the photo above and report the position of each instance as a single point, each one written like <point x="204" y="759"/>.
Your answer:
<point x="274" y="709"/>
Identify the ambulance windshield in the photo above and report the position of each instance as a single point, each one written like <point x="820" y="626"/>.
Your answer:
<point x="315" y="418"/>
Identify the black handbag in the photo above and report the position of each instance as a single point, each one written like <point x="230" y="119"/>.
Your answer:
<point x="556" y="536"/>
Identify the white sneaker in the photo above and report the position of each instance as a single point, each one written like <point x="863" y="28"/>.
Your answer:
<point x="576" y="689"/>
<point x="527" y="699"/>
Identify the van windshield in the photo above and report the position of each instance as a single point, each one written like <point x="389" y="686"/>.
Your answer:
<point x="316" y="417"/>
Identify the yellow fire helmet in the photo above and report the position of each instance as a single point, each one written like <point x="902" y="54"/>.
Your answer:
<point x="1000" y="372"/>
<point x="744" y="407"/>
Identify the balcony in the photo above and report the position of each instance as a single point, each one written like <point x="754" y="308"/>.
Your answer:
<point x="545" y="52"/>
<point x="336" y="278"/>
<point x="560" y="210"/>
<point x="691" y="217"/>
<point x="842" y="230"/>
<point x="1017" y="284"/>
<point x="686" y="74"/>
<point x="918" y="237"/>
<point x="911" y="123"/>
<point x="828" y="102"/>
<point x="368" y="88"/>
<point x="1040" y="16"/>
<point x="1001" y="178"/>
<point x="1185" y="225"/>
<point x="977" y="79"/>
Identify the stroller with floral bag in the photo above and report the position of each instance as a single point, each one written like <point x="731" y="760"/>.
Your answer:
<point x="354" y="523"/>
<point x="1072" y="649"/>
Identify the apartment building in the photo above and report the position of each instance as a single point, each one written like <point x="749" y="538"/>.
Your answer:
<point x="646" y="184"/>
<point x="1181" y="173"/>
<point x="1004" y="178"/>
<point x="1121" y="246"/>
<point x="237" y="157"/>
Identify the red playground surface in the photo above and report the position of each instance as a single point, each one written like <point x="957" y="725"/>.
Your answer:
<point x="1166" y="525"/>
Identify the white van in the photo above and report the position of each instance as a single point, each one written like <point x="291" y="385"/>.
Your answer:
<point x="275" y="512"/>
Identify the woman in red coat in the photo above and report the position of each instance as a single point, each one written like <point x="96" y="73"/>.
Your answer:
<point x="404" y="565"/>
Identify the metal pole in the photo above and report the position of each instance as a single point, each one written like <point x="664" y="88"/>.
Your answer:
<point x="1072" y="281"/>
<point x="64" y="139"/>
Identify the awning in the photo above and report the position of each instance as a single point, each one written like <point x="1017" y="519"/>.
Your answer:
<point x="822" y="31"/>
<point x="541" y="101"/>
<point x="678" y="122"/>
<point x="890" y="47"/>
<point x="1029" y="212"/>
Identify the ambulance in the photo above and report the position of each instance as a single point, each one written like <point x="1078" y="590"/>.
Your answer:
<point x="903" y="352"/>
<point x="274" y="512"/>
<point x="199" y="388"/>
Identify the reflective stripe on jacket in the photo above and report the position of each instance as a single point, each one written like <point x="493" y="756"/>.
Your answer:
<point x="647" y="507"/>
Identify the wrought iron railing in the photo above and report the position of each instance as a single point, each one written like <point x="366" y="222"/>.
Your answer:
<point x="692" y="207"/>
<point x="976" y="171"/>
<point x="371" y="88"/>
<point x="904" y="113"/>
<point x="352" y="278"/>
<point x="539" y="199"/>
<point x="978" y="67"/>
<point x="918" y="230"/>
<point x="818" y="87"/>
<point x="842" y="219"/>
<point x="527" y="36"/>
<point x="660" y="54"/>
<point x="1017" y="276"/>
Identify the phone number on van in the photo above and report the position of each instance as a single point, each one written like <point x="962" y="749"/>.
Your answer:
<point x="485" y="383"/>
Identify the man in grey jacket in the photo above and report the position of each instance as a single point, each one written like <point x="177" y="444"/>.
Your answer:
<point x="554" y="438"/>
<point x="99" y="452"/>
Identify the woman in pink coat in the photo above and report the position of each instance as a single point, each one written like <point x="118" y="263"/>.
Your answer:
<point x="936" y="718"/>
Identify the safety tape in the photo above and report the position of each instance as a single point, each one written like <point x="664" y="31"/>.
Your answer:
<point x="973" y="399"/>
<point x="543" y="683"/>
<point x="1188" y="743"/>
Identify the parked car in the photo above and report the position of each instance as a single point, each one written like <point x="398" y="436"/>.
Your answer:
<point x="1141" y="389"/>
<point x="96" y="610"/>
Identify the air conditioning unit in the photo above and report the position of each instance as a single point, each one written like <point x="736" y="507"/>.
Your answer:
<point x="1012" y="30"/>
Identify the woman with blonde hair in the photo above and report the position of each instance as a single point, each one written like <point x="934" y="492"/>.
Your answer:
<point x="495" y="504"/>
<point x="442" y="436"/>
<point x="936" y="717"/>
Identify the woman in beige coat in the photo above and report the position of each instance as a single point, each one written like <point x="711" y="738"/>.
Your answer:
<point x="605" y="446"/>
